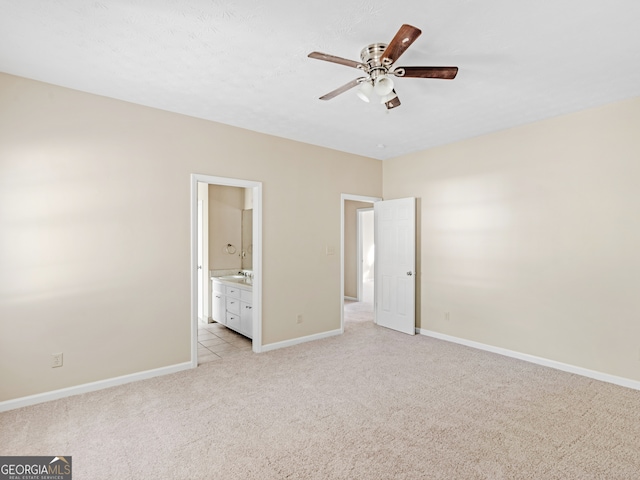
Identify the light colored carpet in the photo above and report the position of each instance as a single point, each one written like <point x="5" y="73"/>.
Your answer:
<point x="370" y="404"/>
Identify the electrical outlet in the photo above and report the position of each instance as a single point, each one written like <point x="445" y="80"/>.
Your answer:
<point x="56" y="360"/>
<point x="300" y="318"/>
<point x="331" y="250"/>
<point x="447" y="317"/>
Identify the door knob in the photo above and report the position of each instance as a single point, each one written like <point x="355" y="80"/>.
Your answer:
<point x="409" y="273"/>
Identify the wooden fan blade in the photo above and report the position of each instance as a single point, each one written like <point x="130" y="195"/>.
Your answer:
<point x="405" y="36"/>
<point x="332" y="58"/>
<point x="342" y="89"/>
<point x="393" y="103"/>
<point x="447" y="73"/>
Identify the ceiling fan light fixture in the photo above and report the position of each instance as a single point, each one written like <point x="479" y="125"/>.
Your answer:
<point x="364" y="92"/>
<point x="388" y="97"/>
<point x="383" y="86"/>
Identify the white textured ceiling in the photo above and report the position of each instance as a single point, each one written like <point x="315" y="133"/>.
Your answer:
<point x="244" y="62"/>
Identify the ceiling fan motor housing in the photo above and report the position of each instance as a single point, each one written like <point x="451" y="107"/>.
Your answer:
<point x="371" y="56"/>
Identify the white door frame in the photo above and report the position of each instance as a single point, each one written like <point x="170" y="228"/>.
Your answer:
<point x="343" y="198"/>
<point x="201" y="275"/>
<point x="257" y="256"/>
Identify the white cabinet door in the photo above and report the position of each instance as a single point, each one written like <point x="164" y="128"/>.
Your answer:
<point x="246" y="319"/>
<point x="218" y="307"/>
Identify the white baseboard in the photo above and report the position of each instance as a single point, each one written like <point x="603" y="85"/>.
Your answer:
<point x="565" y="367"/>
<point x="90" y="387"/>
<point x="296" y="341"/>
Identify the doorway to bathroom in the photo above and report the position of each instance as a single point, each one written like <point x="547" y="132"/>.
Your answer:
<point x="201" y="282"/>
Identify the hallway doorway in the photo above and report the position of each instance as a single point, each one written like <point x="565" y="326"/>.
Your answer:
<point x="357" y="262"/>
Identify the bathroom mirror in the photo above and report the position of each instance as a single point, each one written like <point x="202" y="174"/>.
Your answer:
<point x="247" y="240"/>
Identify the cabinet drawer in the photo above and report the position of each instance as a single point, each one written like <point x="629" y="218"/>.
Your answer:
<point x="233" y="305"/>
<point x="233" y="321"/>
<point x="232" y="292"/>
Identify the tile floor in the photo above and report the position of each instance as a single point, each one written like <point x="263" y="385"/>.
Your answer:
<point x="215" y="341"/>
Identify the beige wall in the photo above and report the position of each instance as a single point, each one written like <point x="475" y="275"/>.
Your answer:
<point x="351" y="246"/>
<point x="95" y="232"/>
<point x="225" y="227"/>
<point x="529" y="237"/>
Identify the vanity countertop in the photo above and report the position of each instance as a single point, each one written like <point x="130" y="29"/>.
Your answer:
<point x="239" y="280"/>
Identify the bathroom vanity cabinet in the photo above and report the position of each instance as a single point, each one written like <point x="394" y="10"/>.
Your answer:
<point x="231" y="306"/>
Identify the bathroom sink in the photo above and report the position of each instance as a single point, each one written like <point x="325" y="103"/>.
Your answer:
<point x="235" y="278"/>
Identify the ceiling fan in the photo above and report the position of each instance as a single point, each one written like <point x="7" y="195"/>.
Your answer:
<point x="378" y="64"/>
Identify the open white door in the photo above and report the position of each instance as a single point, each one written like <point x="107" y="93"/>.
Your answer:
<point x="395" y="252"/>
